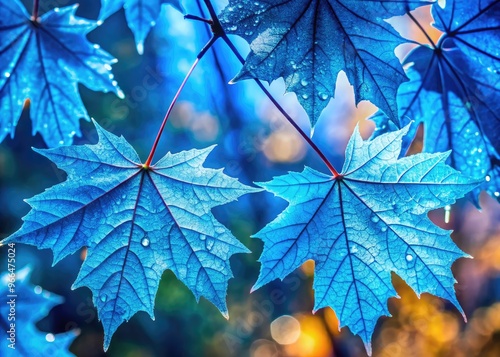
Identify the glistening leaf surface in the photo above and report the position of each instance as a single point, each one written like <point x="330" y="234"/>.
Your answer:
<point x="454" y="90"/>
<point x="31" y="305"/>
<point x="136" y="223"/>
<point x="141" y="15"/>
<point x="364" y="224"/>
<point x="309" y="42"/>
<point x="44" y="61"/>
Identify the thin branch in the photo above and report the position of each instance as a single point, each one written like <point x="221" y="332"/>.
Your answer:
<point x="35" y="10"/>
<point x="174" y="100"/>
<point x="419" y="25"/>
<point x="285" y="114"/>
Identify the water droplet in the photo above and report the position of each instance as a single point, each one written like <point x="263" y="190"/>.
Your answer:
<point x="61" y="142"/>
<point x="73" y="133"/>
<point x="305" y="96"/>
<point x="488" y="178"/>
<point x="145" y="242"/>
<point x="124" y="196"/>
<point x="38" y="289"/>
<point x="50" y="337"/>
<point x="304" y="83"/>
<point x="409" y="257"/>
<point x="104" y="297"/>
<point x="323" y="96"/>
<point x="6" y="74"/>
<point x="375" y="218"/>
<point x="96" y="46"/>
<point x="45" y="126"/>
<point x="210" y="244"/>
<point x="203" y="237"/>
<point x="354" y="249"/>
<point x="447" y="210"/>
<point x="153" y="23"/>
<point x="383" y="228"/>
<point x="497" y="194"/>
<point x="56" y="9"/>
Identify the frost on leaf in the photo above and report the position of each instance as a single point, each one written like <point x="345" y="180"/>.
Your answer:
<point x="454" y="90"/>
<point x="32" y="305"/>
<point x="363" y="225"/>
<point x="141" y="15"/>
<point x="309" y="42"/>
<point x="44" y="61"/>
<point x="136" y="223"/>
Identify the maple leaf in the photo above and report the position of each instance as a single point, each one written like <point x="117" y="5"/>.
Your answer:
<point x="44" y="60"/>
<point x="32" y="304"/>
<point x="361" y="226"/>
<point x="454" y="91"/>
<point x="309" y="42"/>
<point x="141" y="15"/>
<point x="136" y="222"/>
<point x="473" y="27"/>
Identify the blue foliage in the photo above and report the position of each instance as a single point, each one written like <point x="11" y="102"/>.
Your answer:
<point x="454" y="90"/>
<point x="32" y="304"/>
<point x="44" y="60"/>
<point x="309" y="42"/>
<point x="361" y="226"/>
<point x="136" y="222"/>
<point x="472" y="26"/>
<point x="141" y="15"/>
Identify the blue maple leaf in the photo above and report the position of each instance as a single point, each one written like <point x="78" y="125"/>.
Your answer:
<point x="44" y="60"/>
<point x="141" y="15"/>
<point x="454" y="90"/>
<point x="359" y="227"/>
<point x="136" y="222"/>
<point x="32" y="304"/>
<point x="309" y="42"/>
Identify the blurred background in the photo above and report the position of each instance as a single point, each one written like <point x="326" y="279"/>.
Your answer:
<point x="255" y="143"/>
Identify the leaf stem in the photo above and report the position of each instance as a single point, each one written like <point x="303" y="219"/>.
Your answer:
<point x="282" y="110"/>
<point x="209" y="44"/>
<point x="419" y="25"/>
<point x="35" y="10"/>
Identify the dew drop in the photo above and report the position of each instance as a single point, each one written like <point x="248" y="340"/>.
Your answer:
<point x="354" y="249"/>
<point x="304" y="83"/>
<point x="61" y="142"/>
<point x="488" y="178"/>
<point x="104" y="297"/>
<point x="210" y="244"/>
<point x="305" y="96"/>
<point x="323" y="96"/>
<point x="203" y="237"/>
<point x="447" y="211"/>
<point x="6" y="74"/>
<point x="496" y="194"/>
<point x="124" y="196"/>
<point x="145" y="242"/>
<point x="50" y="337"/>
<point x="96" y="46"/>
<point x="375" y="218"/>
<point x="409" y="257"/>
<point x="38" y="289"/>
<point x="383" y="228"/>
